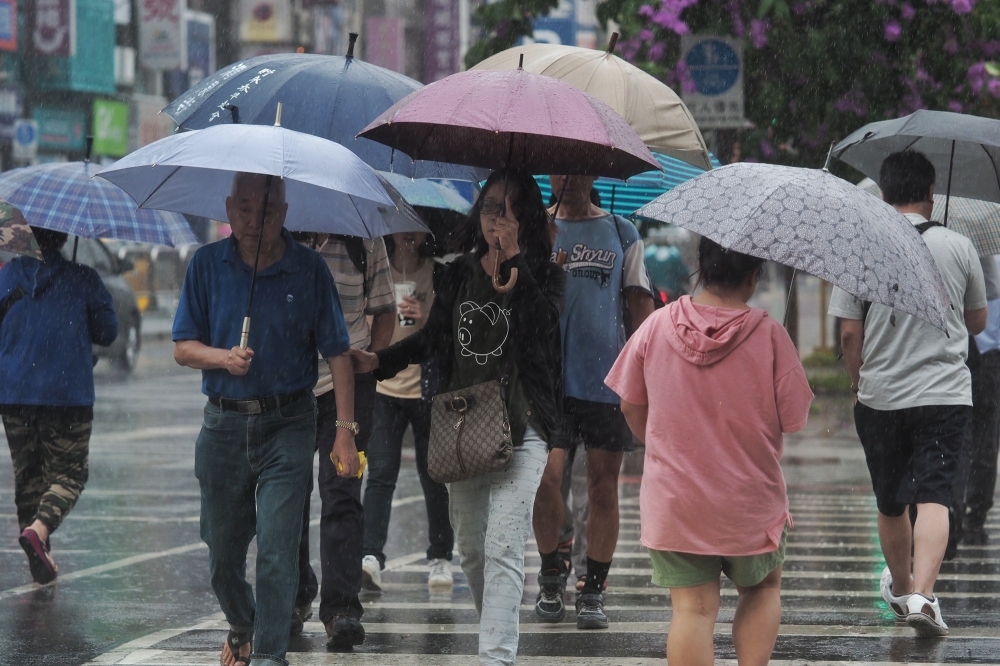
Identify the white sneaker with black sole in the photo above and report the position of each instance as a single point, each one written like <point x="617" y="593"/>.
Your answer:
<point x="924" y="615"/>
<point x="439" y="576"/>
<point x="371" y="573"/>
<point x="896" y="602"/>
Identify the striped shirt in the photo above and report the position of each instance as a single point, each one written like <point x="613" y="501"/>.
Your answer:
<point x="357" y="305"/>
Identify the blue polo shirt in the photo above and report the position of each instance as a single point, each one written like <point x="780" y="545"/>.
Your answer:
<point x="295" y="312"/>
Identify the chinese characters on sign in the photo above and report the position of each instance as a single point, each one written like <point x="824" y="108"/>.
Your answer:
<point x="54" y="27"/>
<point x="441" y="30"/>
<point x="161" y="34"/>
<point x="716" y="68"/>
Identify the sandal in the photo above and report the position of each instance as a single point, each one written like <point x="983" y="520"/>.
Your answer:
<point x="43" y="567"/>
<point x="234" y="641"/>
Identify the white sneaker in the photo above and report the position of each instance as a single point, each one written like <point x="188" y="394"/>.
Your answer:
<point x="924" y="615"/>
<point x="371" y="573"/>
<point x="439" y="578"/>
<point x="896" y="603"/>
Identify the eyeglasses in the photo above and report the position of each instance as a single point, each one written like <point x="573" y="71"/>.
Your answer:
<point x="491" y="208"/>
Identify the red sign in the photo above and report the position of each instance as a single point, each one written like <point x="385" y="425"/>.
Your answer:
<point x="54" y="27"/>
<point x="441" y="47"/>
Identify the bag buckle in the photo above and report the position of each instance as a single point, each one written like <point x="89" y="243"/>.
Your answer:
<point x="454" y="403"/>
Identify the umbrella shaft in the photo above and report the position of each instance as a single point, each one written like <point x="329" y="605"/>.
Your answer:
<point x="260" y="236"/>
<point x="245" y="335"/>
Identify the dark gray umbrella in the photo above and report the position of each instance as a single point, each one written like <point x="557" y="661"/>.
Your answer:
<point x="815" y="222"/>
<point x="959" y="144"/>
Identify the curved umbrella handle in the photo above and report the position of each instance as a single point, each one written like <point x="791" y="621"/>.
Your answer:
<point x="503" y="288"/>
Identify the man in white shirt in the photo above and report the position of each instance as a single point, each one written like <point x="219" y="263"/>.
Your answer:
<point x="914" y="399"/>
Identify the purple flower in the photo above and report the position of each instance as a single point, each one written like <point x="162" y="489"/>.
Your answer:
<point x="994" y="87"/>
<point x="908" y="12"/>
<point x="951" y="46"/>
<point x="758" y="33"/>
<point x="684" y="77"/>
<point x="646" y="11"/>
<point x="646" y="34"/>
<point x="893" y="31"/>
<point x="656" y="51"/>
<point x="767" y="151"/>
<point x="955" y="106"/>
<point x="976" y="76"/>
<point x="963" y="6"/>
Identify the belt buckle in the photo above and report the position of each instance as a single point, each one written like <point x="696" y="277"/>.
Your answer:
<point x="248" y="407"/>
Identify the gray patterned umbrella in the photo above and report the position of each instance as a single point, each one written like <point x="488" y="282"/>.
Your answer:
<point x="817" y="223"/>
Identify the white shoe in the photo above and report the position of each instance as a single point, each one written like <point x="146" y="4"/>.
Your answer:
<point x="896" y="603"/>
<point x="371" y="573"/>
<point x="439" y="578"/>
<point x="924" y="615"/>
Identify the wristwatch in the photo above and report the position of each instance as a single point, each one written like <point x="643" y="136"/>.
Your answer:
<point x="350" y="425"/>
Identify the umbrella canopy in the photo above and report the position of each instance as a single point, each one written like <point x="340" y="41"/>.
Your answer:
<point x="625" y="198"/>
<point x="328" y="188"/>
<point x="653" y="110"/>
<point x="15" y="234"/>
<point x="979" y="220"/>
<point x="327" y="96"/>
<point x="959" y="144"/>
<point x="815" y="222"/>
<point x="65" y="196"/>
<point x="513" y="119"/>
<point x="428" y="193"/>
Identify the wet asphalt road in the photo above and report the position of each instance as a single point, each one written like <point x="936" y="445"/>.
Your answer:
<point x="133" y="584"/>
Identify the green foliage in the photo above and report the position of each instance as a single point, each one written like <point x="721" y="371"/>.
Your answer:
<point x="815" y="70"/>
<point x="503" y="23"/>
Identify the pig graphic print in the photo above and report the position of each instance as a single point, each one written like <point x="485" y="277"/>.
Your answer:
<point x="474" y="323"/>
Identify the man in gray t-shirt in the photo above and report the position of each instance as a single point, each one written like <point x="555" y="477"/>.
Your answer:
<point x="914" y="399"/>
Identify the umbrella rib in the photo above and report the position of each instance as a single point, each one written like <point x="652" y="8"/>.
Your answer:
<point x="157" y="189"/>
<point x="992" y="163"/>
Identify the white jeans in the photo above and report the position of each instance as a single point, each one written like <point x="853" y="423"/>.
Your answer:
<point x="491" y="516"/>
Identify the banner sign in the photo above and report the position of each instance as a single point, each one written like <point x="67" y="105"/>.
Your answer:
<point x="716" y="68"/>
<point x="147" y="123"/>
<point x="60" y="129"/>
<point x="8" y="25"/>
<point x="161" y="34"/>
<point x="441" y="48"/>
<point x="385" y="44"/>
<point x="558" y="27"/>
<point x="110" y="128"/>
<point x="54" y="27"/>
<point x="266" y="20"/>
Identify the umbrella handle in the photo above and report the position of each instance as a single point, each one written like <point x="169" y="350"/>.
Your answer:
<point x="245" y="335"/>
<point x="503" y="288"/>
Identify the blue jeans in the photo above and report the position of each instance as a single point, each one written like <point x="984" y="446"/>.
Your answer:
<point x="385" y="452"/>
<point x="254" y="471"/>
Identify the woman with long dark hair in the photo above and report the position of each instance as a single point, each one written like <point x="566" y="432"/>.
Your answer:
<point x="478" y="334"/>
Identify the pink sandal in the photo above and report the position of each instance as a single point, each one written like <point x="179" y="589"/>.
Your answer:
<point x="43" y="567"/>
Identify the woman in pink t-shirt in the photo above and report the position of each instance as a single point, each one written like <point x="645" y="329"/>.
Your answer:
<point x="710" y="384"/>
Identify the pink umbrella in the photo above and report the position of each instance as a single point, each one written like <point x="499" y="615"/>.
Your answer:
<point x="512" y="119"/>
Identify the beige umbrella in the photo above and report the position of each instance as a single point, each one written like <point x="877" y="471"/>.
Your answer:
<point x="653" y="110"/>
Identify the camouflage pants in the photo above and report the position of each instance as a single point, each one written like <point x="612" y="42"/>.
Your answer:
<point x="50" y="466"/>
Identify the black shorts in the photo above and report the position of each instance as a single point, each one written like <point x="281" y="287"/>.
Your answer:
<point x="596" y="425"/>
<point x="912" y="454"/>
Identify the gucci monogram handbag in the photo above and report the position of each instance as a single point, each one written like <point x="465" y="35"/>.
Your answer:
<point x="470" y="432"/>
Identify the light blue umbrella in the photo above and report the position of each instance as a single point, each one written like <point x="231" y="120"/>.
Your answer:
<point x="625" y="197"/>
<point x="328" y="188"/>
<point x="65" y="196"/>
<point x="429" y="193"/>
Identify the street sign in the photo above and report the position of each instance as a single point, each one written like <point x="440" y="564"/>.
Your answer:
<point x="715" y="65"/>
<point x="25" y="144"/>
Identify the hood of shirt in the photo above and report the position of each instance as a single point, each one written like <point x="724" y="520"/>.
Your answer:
<point x="704" y="335"/>
<point x="34" y="276"/>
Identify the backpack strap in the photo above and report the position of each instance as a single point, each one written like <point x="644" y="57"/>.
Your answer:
<point x="867" y="305"/>
<point x="359" y="257"/>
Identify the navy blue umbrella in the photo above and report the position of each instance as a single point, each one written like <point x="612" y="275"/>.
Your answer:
<point x="332" y="97"/>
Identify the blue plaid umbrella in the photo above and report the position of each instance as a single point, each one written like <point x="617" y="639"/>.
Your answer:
<point x="624" y="198"/>
<point x="429" y="193"/>
<point x="64" y="196"/>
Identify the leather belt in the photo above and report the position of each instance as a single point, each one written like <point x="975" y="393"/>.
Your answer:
<point x="257" y="405"/>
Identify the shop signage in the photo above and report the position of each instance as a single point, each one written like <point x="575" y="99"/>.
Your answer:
<point x="266" y="20"/>
<point x="442" y="45"/>
<point x="161" y="34"/>
<point x="60" y="129"/>
<point x="110" y="128"/>
<point x="8" y="25"/>
<point x="54" y="27"/>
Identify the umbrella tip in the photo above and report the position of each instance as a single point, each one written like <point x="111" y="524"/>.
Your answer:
<point x="829" y="154"/>
<point x="277" y="116"/>
<point x="612" y="42"/>
<point x="520" y="62"/>
<point x="353" y="37"/>
<point x="90" y="147"/>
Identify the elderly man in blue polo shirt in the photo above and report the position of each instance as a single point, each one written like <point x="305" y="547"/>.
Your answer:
<point x="253" y="457"/>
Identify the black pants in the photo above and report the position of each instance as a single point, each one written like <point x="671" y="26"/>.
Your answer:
<point x="384" y="458"/>
<point x="977" y="470"/>
<point x="342" y="518"/>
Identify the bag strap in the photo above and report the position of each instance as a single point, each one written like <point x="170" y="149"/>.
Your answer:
<point x="867" y="305"/>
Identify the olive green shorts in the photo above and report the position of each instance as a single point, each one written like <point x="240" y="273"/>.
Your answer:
<point x="672" y="569"/>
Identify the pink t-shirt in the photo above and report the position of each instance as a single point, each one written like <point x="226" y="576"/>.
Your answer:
<point x="722" y="386"/>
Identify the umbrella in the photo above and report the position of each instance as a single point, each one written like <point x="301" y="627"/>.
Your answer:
<point x="327" y="96"/>
<point x="328" y="188"/>
<point x="513" y="119"/>
<point x="653" y="110"/>
<point x="954" y="142"/>
<point x="815" y="222"/>
<point x="979" y="220"/>
<point x="15" y="234"/>
<point x="427" y="193"/>
<point x="624" y="198"/>
<point x="64" y="196"/>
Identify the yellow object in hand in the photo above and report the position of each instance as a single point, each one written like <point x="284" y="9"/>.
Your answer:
<point x="361" y="457"/>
